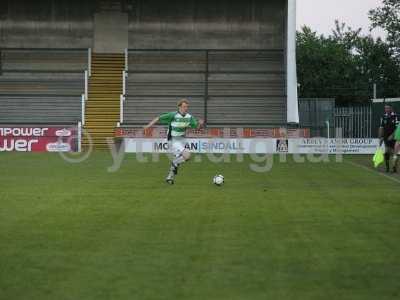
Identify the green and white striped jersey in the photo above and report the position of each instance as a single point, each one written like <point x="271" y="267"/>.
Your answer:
<point x="178" y="123"/>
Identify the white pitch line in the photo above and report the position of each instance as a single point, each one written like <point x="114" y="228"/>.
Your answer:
<point x="372" y="171"/>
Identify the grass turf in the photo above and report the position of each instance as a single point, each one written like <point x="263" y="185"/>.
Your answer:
<point x="300" y="231"/>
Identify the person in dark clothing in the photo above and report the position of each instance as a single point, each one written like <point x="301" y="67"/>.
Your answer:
<point x="387" y="129"/>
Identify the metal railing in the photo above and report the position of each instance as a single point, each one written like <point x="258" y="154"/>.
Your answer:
<point x="124" y="76"/>
<point x="90" y="61"/>
<point x="122" y="96"/>
<point x="83" y="109"/>
<point x="126" y="53"/>
<point x="121" y="109"/>
<point x="79" y="137"/>
<point x="86" y="85"/>
<point x="354" y="122"/>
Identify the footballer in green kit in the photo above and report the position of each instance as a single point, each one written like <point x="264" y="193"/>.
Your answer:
<point x="177" y="121"/>
<point x="396" y="147"/>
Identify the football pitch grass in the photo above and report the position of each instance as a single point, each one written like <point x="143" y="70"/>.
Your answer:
<point x="301" y="231"/>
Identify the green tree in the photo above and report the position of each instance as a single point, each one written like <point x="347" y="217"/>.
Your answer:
<point x="388" y="17"/>
<point x="325" y="67"/>
<point x="345" y="65"/>
<point x="375" y="63"/>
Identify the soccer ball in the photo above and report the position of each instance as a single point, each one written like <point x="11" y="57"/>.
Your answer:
<point x="218" y="180"/>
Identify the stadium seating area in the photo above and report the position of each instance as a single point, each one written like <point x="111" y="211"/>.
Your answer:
<point x="157" y="79"/>
<point x="42" y="86"/>
<point x="224" y="87"/>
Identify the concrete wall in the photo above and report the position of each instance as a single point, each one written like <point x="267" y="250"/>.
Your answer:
<point x="46" y="23"/>
<point x="213" y="24"/>
<point x="110" y="32"/>
<point x="216" y="24"/>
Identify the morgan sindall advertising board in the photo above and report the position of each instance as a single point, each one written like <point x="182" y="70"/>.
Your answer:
<point x="242" y="145"/>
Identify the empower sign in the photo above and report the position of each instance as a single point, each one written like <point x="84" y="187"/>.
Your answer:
<point x="38" y="139"/>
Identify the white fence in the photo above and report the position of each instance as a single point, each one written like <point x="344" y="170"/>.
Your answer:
<point x="353" y="122"/>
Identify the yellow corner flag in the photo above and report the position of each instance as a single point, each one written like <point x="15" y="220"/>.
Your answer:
<point x="378" y="157"/>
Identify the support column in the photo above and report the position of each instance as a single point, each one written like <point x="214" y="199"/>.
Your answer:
<point x="291" y="70"/>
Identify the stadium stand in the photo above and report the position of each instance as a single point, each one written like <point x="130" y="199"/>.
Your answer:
<point x="224" y="87"/>
<point x="40" y="109"/>
<point x="42" y="86"/>
<point x="246" y="88"/>
<point x="158" y="78"/>
<point x="44" y="60"/>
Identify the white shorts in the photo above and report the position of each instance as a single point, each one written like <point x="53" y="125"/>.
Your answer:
<point x="177" y="146"/>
